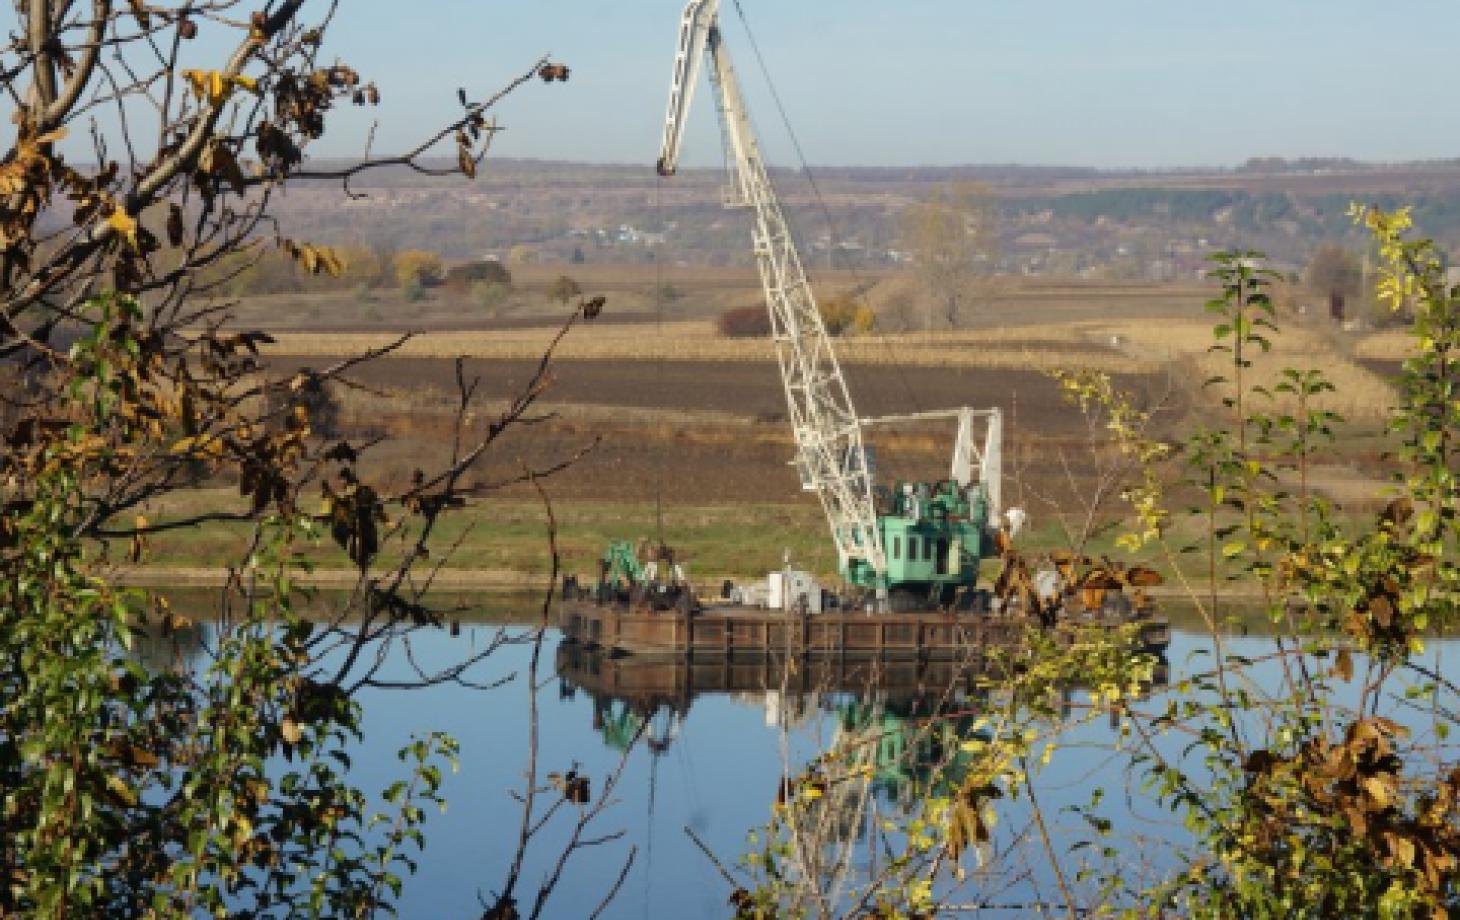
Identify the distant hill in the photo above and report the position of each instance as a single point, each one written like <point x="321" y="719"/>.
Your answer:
<point x="1062" y="221"/>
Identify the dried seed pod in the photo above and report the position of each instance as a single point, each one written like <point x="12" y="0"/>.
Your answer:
<point x="174" y="225"/>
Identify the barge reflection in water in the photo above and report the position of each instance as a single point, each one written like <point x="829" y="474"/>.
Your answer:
<point x="633" y="693"/>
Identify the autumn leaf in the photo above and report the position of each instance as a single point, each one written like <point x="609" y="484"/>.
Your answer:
<point x="202" y="82"/>
<point x="1378" y="790"/>
<point x="215" y="86"/>
<point x="315" y="259"/>
<point x="12" y="178"/>
<point x="124" y="224"/>
<point x="218" y="160"/>
<point x="119" y="788"/>
<point x="202" y="444"/>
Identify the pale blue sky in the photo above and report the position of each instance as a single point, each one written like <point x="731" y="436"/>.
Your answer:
<point x="1079" y="82"/>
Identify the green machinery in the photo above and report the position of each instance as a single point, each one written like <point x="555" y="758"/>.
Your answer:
<point x="645" y="574"/>
<point x="620" y="566"/>
<point x="933" y="536"/>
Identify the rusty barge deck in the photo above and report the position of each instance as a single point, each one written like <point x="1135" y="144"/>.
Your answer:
<point x="729" y="631"/>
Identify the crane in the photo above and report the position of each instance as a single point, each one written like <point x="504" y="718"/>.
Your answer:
<point x="831" y="457"/>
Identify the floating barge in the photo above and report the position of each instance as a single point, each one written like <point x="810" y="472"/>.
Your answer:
<point x="726" y="631"/>
<point x="647" y="683"/>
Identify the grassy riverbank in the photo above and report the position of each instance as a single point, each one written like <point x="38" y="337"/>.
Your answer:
<point x="502" y="543"/>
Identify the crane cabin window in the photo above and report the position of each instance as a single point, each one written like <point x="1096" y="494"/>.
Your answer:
<point x="897" y="547"/>
<point x="912" y="549"/>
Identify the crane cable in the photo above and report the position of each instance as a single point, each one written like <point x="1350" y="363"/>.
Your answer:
<point x="821" y="200"/>
<point x="663" y="446"/>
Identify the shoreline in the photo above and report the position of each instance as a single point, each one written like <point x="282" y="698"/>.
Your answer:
<point x="159" y="576"/>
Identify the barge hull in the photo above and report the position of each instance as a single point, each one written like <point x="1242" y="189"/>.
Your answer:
<point x="730" y="631"/>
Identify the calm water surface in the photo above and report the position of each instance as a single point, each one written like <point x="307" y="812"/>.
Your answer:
<point x="710" y="760"/>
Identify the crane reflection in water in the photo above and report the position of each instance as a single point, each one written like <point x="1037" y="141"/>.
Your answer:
<point x="904" y="719"/>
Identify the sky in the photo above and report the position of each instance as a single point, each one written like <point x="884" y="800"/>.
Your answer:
<point x="1108" y="83"/>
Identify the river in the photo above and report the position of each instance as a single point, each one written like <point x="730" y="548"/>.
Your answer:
<point x="712" y="745"/>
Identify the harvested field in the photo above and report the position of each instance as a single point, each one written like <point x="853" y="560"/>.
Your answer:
<point x="713" y="434"/>
<point x="1362" y="396"/>
<point x="744" y="390"/>
<point x="698" y="292"/>
<point x="1391" y="345"/>
<point x="675" y="411"/>
<point x="1117" y="346"/>
<point x="698" y="342"/>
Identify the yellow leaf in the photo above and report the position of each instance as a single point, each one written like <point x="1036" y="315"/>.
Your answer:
<point x="201" y="444"/>
<point x="1402" y="848"/>
<point x="1378" y="790"/>
<point x="120" y="789"/>
<point x="331" y="262"/>
<point x="125" y="225"/>
<point x="248" y="83"/>
<point x="290" y="730"/>
<point x="212" y="86"/>
<point x="197" y="79"/>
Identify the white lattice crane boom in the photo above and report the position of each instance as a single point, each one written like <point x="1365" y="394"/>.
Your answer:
<point x="830" y="455"/>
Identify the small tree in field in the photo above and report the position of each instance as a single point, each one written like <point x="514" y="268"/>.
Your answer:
<point x="564" y="289"/>
<point x="463" y="276"/>
<point x="419" y="266"/>
<point x="846" y="313"/>
<point x="491" y="295"/>
<point x="1337" y="274"/>
<point x="954" y="241"/>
